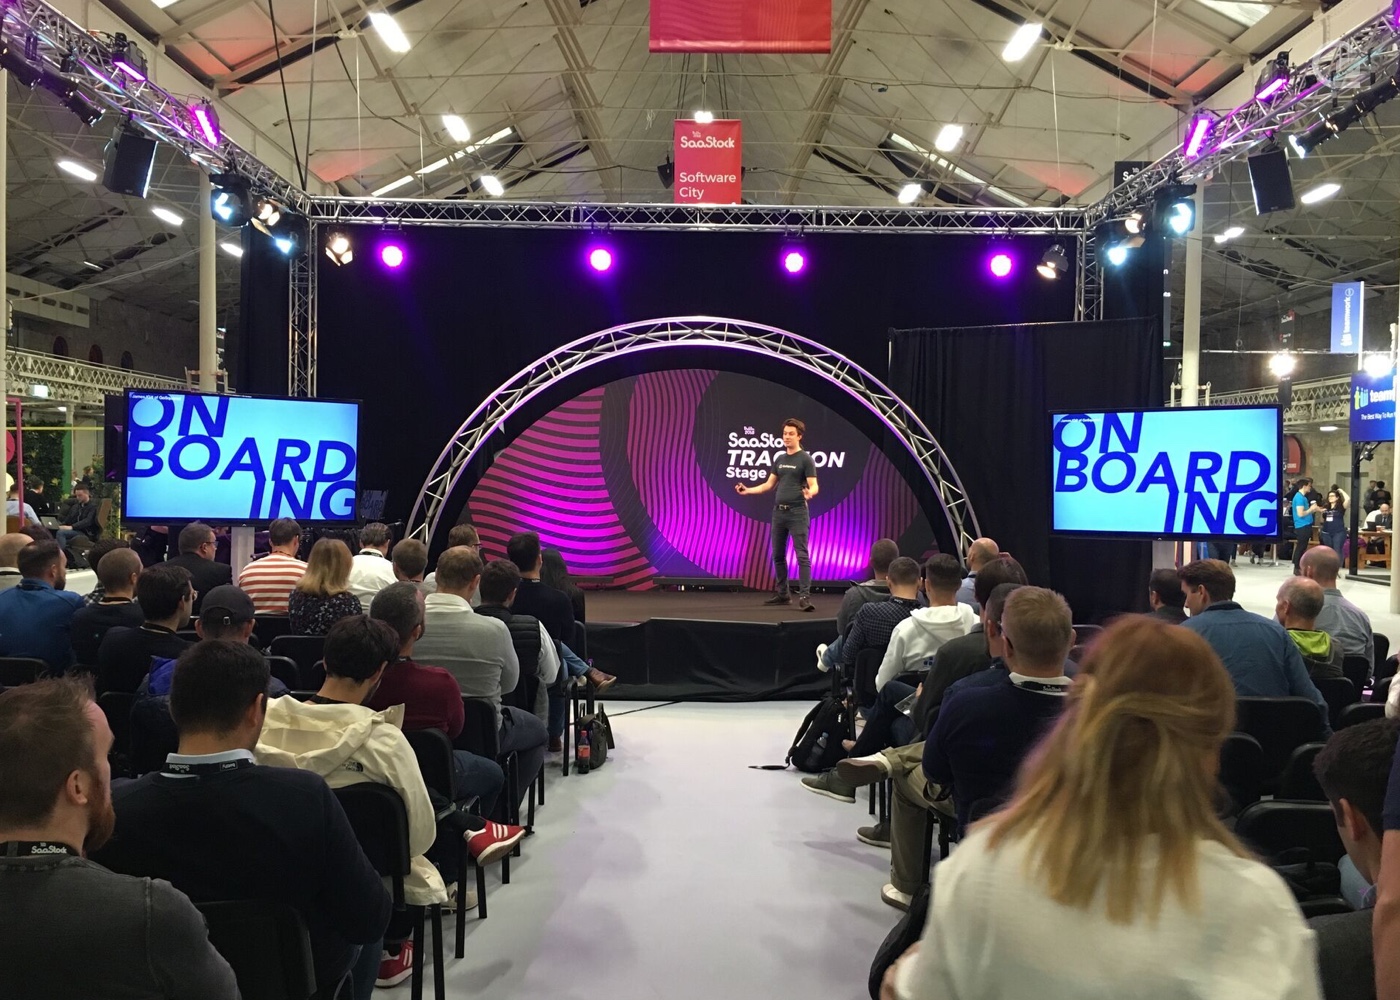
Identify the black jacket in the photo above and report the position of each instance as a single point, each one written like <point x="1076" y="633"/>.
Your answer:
<point x="552" y="607"/>
<point x="124" y="655"/>
<point x="205" y="574"/>
<point x="82" y="517"/>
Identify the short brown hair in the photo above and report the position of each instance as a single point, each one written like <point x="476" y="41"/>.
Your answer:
<point x="903" y="572"/>
<point x="116" y="568"/>
<point x="1002" y="569"/>
<point x="283" y="530"/>
<point x="374" y="534"/>
<point x="457" y="567"/>
<point x="499" y="579"/>
<point x="410" y="557"/>
<point x="1213" y="574"/>
<point x="34" y="560"/>
<point x="943" y="573"/>
<point x="1038" y="624"/>
<point x="463" y="534"/>
<point x="796" y="425"/>
<point x="193" y="535"/>
<point x="882" y="553"/>
<point x="44" y="737"/>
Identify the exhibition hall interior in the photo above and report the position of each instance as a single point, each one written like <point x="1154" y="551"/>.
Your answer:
<point x="686" y="498"/>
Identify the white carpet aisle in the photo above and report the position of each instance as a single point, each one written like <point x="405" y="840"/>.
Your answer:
<point x="676" y="873"/>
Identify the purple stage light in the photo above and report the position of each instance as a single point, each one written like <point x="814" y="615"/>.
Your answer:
<point x="392" y="255"/>
<point x="208" y="121"/>
<point x="600" y="259"/>
<point x="1000" y="264"/>
<point x="1271" y="88"/>
<point x="1197" y="133"/>
<point x="794" y="261"/>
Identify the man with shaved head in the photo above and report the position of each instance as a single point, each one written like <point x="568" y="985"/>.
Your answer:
<point x="979" y="553"/>
<point x="1299" y="602"/>
<point x="1347" y="624"/>
<point x="116" y="572"/>
<point x="9" y="554"/>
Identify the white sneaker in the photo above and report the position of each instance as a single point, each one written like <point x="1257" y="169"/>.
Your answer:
<point x="821" y="651"/>
<point x="860" y="771"/>
<point x="892" y="896"/>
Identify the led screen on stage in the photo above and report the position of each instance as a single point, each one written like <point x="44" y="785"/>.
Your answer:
<point x="636" y="479"/>
<point x="1211" y="472"/>
<point x="239" y="459"/>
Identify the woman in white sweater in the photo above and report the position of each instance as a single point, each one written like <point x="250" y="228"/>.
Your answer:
<point x="1108" y="875"/>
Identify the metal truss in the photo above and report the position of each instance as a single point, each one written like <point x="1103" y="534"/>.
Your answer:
<point x="1313" y="401"/>
<point x="1351" y="64"/>
<point x="301" y="317"/>
<point x="1088" y="281"/>
<point x="65" y="51"/>
<point x="74" y="381"/>
<point x="690" y="332"/>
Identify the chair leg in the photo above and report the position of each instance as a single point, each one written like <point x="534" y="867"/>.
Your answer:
<point x="872" y="800"/>
<point x="439" y="972"/>
<point x="417" y="982"/>
<point x="541" y="781"/>
<point x="530" y="814"/>
<point x="884" y="801"/>
<point x="480" y="893"/>
<point x="461" y="943"/>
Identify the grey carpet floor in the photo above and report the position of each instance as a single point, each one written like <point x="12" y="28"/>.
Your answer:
<point x="677" y="872"/>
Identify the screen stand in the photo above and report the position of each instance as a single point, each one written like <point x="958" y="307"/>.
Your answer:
<point x="240" y="548"/>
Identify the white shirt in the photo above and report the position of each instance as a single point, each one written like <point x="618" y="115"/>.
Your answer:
<point x="993" y="932"/>
<point x="370" y="572"/>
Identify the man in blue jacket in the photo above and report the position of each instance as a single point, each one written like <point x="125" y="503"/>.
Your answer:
<point x="1257" y="651"/>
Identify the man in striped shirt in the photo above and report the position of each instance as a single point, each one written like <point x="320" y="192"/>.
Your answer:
<point x="269" y="581"/>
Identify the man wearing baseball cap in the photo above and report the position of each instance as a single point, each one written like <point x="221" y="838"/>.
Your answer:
<point x="227" y="613"/>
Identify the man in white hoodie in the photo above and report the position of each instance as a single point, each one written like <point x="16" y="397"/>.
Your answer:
<point x="915" y="641"/>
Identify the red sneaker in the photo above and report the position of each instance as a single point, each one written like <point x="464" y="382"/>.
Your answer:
<point x="493" y="842"/>
<point x="394" y="969"/>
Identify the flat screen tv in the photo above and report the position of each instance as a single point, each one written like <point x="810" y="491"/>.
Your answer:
<point x="239" y="459"/>
<point x="1184" y="473"/>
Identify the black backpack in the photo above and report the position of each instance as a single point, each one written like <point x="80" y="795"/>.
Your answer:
<point x="909" y="929"/>
<point x="817" y="745"/>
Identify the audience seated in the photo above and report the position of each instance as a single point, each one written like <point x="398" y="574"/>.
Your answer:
<point x="1298" y="605"/>
<point x="1379" y="519"/>
<point x="430" y="696"/>
<point x="477" y="651"/>
<point x="1347" y="624"/>
<point x="1354" y="770"/>
<point x="322" y="596"/>
<point x="68" y="926"/>
<point x="1260" y="657"/>
<point x="117" y="572"/>
<point x="80" y="527"/>
<point x="1108" y="874"/>
<point x="197" y="550"/>
<point x="915" y="641"/>
<point x="124" y="655"/>
<point x="882" y="553"/>
<point x="94" y="556"/>
<point x="219" y="827"/>
<point x="554" y="572"/>
<point x="12" y="507"/>
<point x="1165" y="596"/>
<point x="228" y="614"/>
<point x="10" y="545"/>
<point x="36" y="616"/>
<point x="370" y="570"/>
<point x="537" y="653"/>
<point x="410" y="560"/>
<point x="979" y="553"/>
<point x="459" y="535"/>
<point x="269" y="581"/>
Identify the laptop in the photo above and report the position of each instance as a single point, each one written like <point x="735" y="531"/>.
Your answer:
<point x="49" y="521"/>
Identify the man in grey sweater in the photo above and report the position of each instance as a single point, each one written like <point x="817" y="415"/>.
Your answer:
<point x="69" y="927"/>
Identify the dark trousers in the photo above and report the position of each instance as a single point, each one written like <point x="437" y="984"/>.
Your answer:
<point x="1302" y="537"/>
<point x="524" y="734"/>
<point x="794" y="523"/>
<point x="886" y="725"/>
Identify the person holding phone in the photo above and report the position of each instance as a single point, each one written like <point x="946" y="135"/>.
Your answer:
<point x="794" y="476"/>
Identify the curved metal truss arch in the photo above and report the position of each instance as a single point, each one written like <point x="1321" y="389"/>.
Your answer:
<point x="690" y="332"/>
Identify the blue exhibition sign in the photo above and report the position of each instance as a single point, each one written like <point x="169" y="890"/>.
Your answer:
<point x="1373" y="407"/>
<point x="1347" y="315"/>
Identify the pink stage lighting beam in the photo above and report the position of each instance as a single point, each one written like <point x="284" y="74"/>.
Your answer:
<point x="392" y="255"/>
<point x="600" y="259"/>
<point x="1197" y="134"/>
<point x="1271" y="88"/>
<point x="794" y="262"/>
<point x="1000" y="265"/>
<point x="208" y="122"/>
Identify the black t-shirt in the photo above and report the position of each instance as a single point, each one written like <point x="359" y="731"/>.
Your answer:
<point x="124" y="655"/>
<point x="1334" y="518"/>
<point x="91" y="622"/>
<point x="792" y="471"/>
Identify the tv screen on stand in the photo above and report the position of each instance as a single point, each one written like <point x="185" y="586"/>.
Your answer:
<point x="1183" y="473"/>
<point x="239" y="459"/>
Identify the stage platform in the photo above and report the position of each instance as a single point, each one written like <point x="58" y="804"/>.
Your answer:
<point x="708" y="645"/>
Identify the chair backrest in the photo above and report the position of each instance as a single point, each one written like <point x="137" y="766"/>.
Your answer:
<point x="1084" y="634"/>
<point x="284" y="668"/>
<point x="1338" y="692"/>
<point x="1381" y="690"/>
<point x="188" y="634"/>
<point x="303" y="650"/>
<point x="1356" y="669"/>
<point x="480" y="734"/>
<point x="434" y="752"/>
<point x="1382" y="648"/>
<point x="380" y="821"/>
<point x="16" y="670"/>
<point x="104" y="514"/>
<point x="579" y="643"/>
<point x="266" y="628"/>
<point x="1281" y="725"/>
<point x="1276" y="827"/>
<point x="267" y="946"/>
<point x="867" y="666"/>
<point x="1392" y="664"/>
<point x="116" y="705"/>
<point x="153" y="734"/>
<point x="1242" y="768"/>
<point x="1299" y="783"/>
<point x="1362" y="711"/>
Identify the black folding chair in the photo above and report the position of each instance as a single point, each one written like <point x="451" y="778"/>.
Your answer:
<point x="285" y="670"/>
<point x="1242" y="769"/>
<point x="1362" y="711"/>
<point x="267" y="628"/>
<point x="1381" y="644"/>
<point x="481" y="736"/>
<point x="1085" y="634"/>
<point x="434" y="752"/>
<point x="1338" y="692"/>
<point x="1381" y="690"/>
<point x="1281" y="725"/>
<point x="863" y="683"/>
<point x="267" y="946"/>
<point x="1299" y="783"/>
<point x="303" y="650"/>
<point x="116" y="705"/>
<point x="17" y="670"/>
<point x="1356" y="669"/>
<point x="1390" y="667"/>
<point x="1277" y="829"/>
<point x="380" y="821"/>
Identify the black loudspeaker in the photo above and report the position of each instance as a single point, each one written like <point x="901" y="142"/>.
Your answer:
<point x="1272" y="182"/>
<point x="114" y="436"/>
<point x="127" y="163"/>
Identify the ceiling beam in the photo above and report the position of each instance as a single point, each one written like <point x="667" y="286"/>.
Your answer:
<point x="196" y="21"/>
<point x="582" y="96"/>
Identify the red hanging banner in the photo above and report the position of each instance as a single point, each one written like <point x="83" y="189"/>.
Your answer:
<point x="709" y="160"/>
<point x="740" y="25"/>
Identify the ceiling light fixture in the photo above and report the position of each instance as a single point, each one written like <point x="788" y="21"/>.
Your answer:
<point x="1021" y="42"/>
<point x="232" y="249"/>
<point x="1229" y="234"/>
<point x="492" y="185"/>
<point x="910" y="193"/>
<point x="389" y="31"/>
<point x="703" y="117"/>
<point x="1282" y="364"/>
<point x="948" y="138"/>
<point x="456" y="128"/>
<point x="1320" y="193"/>
<point x="1054" y="263"/>
<point x="1273" y="78"/>
<point x="76" y="169"/>
<point x="166" y="215"/>
<point x="338" y="249"/>
<point x="391" y="186"/>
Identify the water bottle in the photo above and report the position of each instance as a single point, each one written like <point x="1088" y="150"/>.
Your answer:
<point x="584" y="751"/>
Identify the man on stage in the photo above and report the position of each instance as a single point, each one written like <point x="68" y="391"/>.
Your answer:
<point x="795" y="478"/>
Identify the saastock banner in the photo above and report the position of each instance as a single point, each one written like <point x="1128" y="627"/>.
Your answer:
<point x="709" y="159"/>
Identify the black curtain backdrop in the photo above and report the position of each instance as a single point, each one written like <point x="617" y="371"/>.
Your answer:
<point x="986" y="392"/>
<point x="422" y="346"/>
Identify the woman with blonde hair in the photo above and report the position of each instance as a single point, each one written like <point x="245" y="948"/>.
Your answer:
<point x="323" y="596"/>
<point x="1108" y="874"/>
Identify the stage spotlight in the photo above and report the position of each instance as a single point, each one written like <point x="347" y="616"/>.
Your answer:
<point x="266" y="215"/>
<point x="1344" y="118"/>
<point x="1054" y="263"/>
<point x="392" y="255"/>
<point x="1281" y="365"/>
<point x="25" y="74"/>
<point x="1197" y="132"/>
<point x="128" y="58"/>
<point x="600" y="259"/>
<point x="667" y="173"/>
<point x="77" y="102"/>
<point x="1273" y="78"/>
<point x="1306" y="141"/>
<point x="1377" y="365"/>
<point x="1386" y="90"/>
<point x="338" y="249"/>
<point x="208" y="121"/>
<point x="285" y="243"/>
<point x="1000" y="264"/>
<point x="794" y="261"/>
<point x="229" y="201"/>
<point x="1173" y="211"/>
<point x="1117" y="255"/>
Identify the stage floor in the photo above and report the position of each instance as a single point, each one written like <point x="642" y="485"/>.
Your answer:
<point x="633" y="606"/>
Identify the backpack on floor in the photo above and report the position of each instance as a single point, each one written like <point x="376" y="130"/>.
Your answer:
<point x="909" y="929"/>
<point x="600" y="737"/>
<point x="817" y="745"/>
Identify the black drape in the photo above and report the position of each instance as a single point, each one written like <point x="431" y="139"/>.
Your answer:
<point x="986" y="394"/>
<point x="259" y="357"/>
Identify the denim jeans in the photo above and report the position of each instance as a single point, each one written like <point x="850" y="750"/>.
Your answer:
<point x="473" y="775"/>
<point x="364" y="970"/>
<point x="794" y="523"/>
<point x="886" y="725"/>
<point x="831" y="656"/>
<point x="558" y="704"/>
